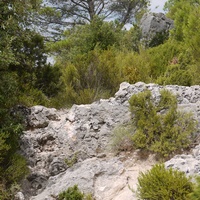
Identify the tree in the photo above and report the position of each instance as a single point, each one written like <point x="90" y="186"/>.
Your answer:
<point x="80" y="12"/>
<point x="180" y="11"/>
<point x="87" y="59"/>
<point x="19" y="56"/>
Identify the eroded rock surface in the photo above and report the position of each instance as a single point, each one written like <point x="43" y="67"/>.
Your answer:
<point x="67" y="147"/>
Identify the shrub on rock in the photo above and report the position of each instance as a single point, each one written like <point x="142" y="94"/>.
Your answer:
<point x="160" y="127"/>
<point x="73" y="193"/>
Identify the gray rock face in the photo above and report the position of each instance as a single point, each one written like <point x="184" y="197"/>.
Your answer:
<point x="67" y="147"/>
<point x="40" y="117"/>
<point x="190" y="164"/>
<point x="153" y="24"/>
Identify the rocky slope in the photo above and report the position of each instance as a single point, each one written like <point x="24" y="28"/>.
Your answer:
<point x="67" y="147"/>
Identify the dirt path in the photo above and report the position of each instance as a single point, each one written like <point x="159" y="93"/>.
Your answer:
<point x="117" y="187"/>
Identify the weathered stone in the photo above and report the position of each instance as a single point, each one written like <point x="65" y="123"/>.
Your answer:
<point x="19" y="196"/>
<point x="85" y="131"/>
<point x="40" y="116"/>
<point x="57" y="166"/>
<point x="153" y="24"/>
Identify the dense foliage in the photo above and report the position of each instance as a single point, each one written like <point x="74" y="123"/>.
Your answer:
<point x="164" y="184"/>
<point x="21" y="60"/>
<point x="156" y="126"/>
<point x="195" y="194"/>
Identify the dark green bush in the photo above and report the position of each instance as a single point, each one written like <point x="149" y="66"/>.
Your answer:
<point x="163" y="184"/>
<point x="160" y="128"/>
<point x="73" y="193"/>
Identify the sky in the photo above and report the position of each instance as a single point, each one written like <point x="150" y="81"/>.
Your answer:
<point x="157" y="5"/>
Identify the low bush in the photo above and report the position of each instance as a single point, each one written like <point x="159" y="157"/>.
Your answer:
<point x="73" y="193"/>
<point x="160" y="183"/>
<point x="195" y="195"/>
<point x="122" y="139"/>
<point x="160" y="128"/>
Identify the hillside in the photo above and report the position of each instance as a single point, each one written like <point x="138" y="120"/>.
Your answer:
<point x="83" y="135"/>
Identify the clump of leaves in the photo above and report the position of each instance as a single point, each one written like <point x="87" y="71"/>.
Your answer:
<point x="160" y="127"/>
<point x="73" y="193"/>
<point x="163" y="184"/>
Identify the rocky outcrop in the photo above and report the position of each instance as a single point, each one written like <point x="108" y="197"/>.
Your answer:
<point x="190" y="164"/>
<point x="155" y="28"/>
<point x="67" y="147"/>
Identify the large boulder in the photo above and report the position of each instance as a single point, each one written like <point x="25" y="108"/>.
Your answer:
<point x="155" y="28"/>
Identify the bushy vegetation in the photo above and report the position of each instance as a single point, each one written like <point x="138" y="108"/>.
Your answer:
<point x="73" y="193"/>
<point x="156" y="126"/>
<point x="195" y="194"/>
<point x="122" y="139"/>
<point x="163" y="184"/>
<point x="160" y="128"/>
<point x="97" y="57"/>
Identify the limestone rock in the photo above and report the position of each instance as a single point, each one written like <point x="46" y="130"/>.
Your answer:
<point x="82" y="136"/>
<point x="40" y="116"/>
<point x="190" y="164"/>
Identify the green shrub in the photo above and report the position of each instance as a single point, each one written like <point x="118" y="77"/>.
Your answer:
<point x="176" y="75"/>
<point x="195" y="195"/>
<point x="4" y="194"/>
<point x="72" y="193"/>
<point x="17" y="170"/>
<point x="163" y="184"/>
<point x="160" y="128"/>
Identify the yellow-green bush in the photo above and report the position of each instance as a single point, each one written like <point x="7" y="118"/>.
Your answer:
<point x="73" y="193"/>
<point x="133" y="67"/>
<point x="160" y="183"/>
<point x="195" y="195"/>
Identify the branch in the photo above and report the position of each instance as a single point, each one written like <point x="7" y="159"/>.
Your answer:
<point x="79" y="4"/>
<point x="98" y="7"/>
